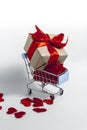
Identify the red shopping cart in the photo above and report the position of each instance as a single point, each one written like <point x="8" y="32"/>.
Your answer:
<point x="49" y="82"/>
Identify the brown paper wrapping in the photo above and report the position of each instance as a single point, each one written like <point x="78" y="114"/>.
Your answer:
<point x="41" y="55"/>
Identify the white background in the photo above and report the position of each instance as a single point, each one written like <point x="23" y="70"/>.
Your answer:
<point x="17" y="19"/>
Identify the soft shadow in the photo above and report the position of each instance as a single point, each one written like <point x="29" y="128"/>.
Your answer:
<point x="13" y="80"/>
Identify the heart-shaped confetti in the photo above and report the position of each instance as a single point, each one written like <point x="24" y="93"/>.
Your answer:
<point x="26" y="102"/>
<point x="37" y="102"/>
<point x="39" y="110"/>
<point x="19" y="114"/>
<point x="1" y="99"/>
<point x="0" y="107"/>
<point x="48" y="101"/>
<point x="11" y="110"/>
<point x="1" y="95"/>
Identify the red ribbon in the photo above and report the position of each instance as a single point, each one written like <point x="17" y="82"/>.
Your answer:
<point x="56" y="69"/>
<point x="41" y="39"/>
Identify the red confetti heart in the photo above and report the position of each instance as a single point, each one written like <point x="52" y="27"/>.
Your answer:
<point x="1" y="99"/>
<point x="37" y="102"/>
<point x="11" y="110"/>
<point x="26" y="102"/>
<point x="19" y="114"/>
<point x="0" y="107"/>
<point x="48" y="101"/>
<point x="38" y="110"/>
<point x="1" y="95"/>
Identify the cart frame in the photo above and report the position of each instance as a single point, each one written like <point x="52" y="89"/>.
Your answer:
<point x="30" y="74"/>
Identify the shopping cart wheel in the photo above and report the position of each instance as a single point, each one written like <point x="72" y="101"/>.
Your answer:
<point x="29" y="91"/>
<point x="61" y="91"/>
<point x="52" y="97"/>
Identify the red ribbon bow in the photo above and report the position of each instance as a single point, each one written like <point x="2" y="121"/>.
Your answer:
<point x="56" y="41"/>
<point x="41" y="39"/>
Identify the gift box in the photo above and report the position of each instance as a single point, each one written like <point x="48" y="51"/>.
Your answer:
<point x="58" y="76"/>
<point x="43" y="49"/>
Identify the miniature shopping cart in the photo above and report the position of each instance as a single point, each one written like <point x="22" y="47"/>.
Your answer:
<point x="46" y="80"/>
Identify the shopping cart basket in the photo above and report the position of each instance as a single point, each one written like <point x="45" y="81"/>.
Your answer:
<point x="48" y="81"/>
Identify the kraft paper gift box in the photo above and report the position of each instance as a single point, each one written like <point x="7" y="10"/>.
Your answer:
<point x="41" y="55"/>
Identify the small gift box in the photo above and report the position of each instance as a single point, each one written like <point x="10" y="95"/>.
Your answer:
<point x="43" y="49"/>
<point x="55" y="75"/>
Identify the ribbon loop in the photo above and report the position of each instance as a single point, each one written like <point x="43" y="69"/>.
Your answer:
<point x="40" y="36"/>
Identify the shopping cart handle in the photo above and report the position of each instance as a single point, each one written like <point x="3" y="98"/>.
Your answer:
<point x="24" y="56"/>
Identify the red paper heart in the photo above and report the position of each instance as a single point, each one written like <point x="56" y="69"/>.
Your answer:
<point x="26" y="102"/>
<point x="19" y="114"/>
<point x="38" y="110"/>
<point x="48" y="101"/>
<point x="1" y="99"/>
<point x="37" y="102"/>
<point x="0" y="107"/>
<point x="1" y="95"/>
<point x="11" y="110"/>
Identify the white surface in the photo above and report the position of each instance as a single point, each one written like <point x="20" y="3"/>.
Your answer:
<point x="51" y="89"/>
<point x="17" y="19"/>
